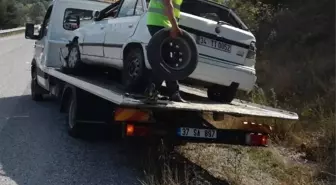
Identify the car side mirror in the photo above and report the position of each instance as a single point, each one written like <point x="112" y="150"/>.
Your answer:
<point x="29" y="32"/>
<point x="96" y="14"/>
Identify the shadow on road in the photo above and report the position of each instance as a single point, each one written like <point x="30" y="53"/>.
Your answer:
<point x="36" y="149"/>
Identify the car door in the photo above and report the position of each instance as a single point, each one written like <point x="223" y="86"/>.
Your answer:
<point x="122" y="28"/>
<point x="94" y="39"/>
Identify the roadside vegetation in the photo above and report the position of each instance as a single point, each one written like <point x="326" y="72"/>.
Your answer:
<point x="15" y="13"/>
<point x="296" y="71"/>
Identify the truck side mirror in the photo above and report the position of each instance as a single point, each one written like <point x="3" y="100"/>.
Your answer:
<point x="29" y="32"/>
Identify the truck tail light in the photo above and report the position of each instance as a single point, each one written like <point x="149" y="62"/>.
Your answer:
<point x="256" y="139"/>
<point x="129" y="130"/>
<point x="132" y="130"/>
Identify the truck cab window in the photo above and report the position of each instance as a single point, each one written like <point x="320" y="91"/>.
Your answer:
<point x="71" y="16"/>
<point x="44" y="27"/>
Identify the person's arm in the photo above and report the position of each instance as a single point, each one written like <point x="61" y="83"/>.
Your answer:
<point x="169" y="10"/>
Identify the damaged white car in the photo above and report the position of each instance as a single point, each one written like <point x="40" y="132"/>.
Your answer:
<point x="118" y="37"/>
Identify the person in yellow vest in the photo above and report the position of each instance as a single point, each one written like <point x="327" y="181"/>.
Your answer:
<point x="162" y="14"/>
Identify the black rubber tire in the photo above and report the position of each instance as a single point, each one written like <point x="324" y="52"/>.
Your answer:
<point x="34" y="86"/>
<point x="159" y="67"/>
<point x="77" y="67"/>
<point x="73" y="126"/>
<point x="138" y="82"/>
<point x="224" y="94"/>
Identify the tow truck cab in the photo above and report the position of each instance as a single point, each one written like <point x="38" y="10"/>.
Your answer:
<point x="61" y="18"/>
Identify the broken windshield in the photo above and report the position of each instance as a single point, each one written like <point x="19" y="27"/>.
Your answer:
<point x="213" y="11"/>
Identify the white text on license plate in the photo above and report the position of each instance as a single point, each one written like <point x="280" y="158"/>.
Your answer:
<point x="196" y="132"/>
<point x="213" y="44"/>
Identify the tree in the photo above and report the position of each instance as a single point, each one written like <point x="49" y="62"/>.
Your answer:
<point x="8" y="14"/>
<point x="36" y="12"/>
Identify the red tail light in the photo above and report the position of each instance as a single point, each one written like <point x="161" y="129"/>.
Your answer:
<point x="132" y="130"/>
<point x="256" y="139"/>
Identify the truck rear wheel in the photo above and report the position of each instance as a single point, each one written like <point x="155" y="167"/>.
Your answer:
<point x="71" y="120"/>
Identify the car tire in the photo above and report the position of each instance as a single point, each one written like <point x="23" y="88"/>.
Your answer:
<point x="163" y="52"/>
<point x="35" y="87"/>
<point x="134" y="73"/>
<point x="224" y="94"/>
<point x="73" y="60"/>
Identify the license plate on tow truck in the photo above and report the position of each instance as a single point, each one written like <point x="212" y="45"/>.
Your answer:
<point x="196" y="132"/>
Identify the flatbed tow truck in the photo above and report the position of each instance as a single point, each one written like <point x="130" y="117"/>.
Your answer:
<point x="96" y="99"/>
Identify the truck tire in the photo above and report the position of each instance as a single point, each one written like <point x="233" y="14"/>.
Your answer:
<point x="134" y="73"/>
<point x="34" y="86"/>
<point x="224" y="94"/>
<point x="73" y="60"/>
<point x="172" y="59"/>
<point x="71" y="119"/>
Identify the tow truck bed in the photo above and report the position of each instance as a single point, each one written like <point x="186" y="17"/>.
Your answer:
<point x="112" y="91"/>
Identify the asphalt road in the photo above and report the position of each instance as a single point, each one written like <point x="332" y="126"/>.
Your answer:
<point x="34" y="146"/>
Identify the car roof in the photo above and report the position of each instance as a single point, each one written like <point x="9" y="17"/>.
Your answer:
<point x="212" y="3"/>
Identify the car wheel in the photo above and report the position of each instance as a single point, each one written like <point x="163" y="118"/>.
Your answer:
<point x="172" y="59"/>
<point x="34" y="86"/>
<point x="73" y="61"/>
<point x="223" y="94"/>
<point x="134" y="73"/>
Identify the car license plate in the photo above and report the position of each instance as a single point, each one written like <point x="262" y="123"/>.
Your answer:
<point x="196" y="132"/>
<point x="213" y="44"/>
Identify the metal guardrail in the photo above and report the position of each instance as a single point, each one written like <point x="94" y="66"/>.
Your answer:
<point x="14" y="30"/>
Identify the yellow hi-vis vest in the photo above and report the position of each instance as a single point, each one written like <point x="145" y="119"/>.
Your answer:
<point x="156" y="13"/>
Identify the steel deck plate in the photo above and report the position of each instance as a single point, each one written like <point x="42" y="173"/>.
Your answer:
<point x="112" y="92"/>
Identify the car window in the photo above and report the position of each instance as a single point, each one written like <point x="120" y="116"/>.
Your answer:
<point x="71" y="16"/>
<point x="127" y="8"/>
<point x="139" y="10"/>
<point x="213" y="12"/>
<point x="109" y="12"/>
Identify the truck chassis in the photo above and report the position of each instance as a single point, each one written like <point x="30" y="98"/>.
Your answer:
<point x="97" y="100"/>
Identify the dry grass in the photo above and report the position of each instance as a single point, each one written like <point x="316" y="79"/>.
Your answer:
<point x="172" y="168"/>
<point x="234" y="165"/>
<point x="302" y="152"/>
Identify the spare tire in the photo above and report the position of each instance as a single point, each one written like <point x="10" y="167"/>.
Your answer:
<point x="172" y="59"/>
